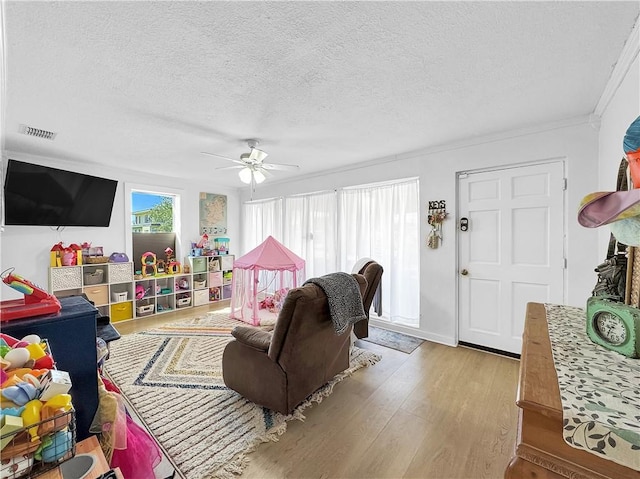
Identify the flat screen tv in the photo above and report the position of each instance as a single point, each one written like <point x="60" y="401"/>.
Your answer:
<point x="37" y="195"/>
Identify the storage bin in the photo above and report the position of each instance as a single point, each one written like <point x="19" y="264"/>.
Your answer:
<point x="94" y="278"/>
<point x="199" y="284"/>
<point x="201" y="297"/>
<point x="144" y="310"/>
<point x="215" y="279"/>
<point x="119" y="297"/>
<point x="198" y="265"/>
<point x="181" y="303"/>
<point x="18" y="453"/>
<point x="121" y="311"/>
<point x="97" y="294"/>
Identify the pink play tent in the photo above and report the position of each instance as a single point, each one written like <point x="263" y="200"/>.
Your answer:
<point x="261" y="280"/>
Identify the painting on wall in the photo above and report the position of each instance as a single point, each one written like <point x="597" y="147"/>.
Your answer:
<point x="213" y="214"/>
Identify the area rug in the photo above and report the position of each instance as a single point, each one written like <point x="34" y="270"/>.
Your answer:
<point x="172" y="377"/>
<point x="391" y="339"/>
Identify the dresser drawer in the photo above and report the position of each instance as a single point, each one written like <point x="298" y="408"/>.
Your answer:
<point x="99" y="294"/>
<point x="121" y="311"/>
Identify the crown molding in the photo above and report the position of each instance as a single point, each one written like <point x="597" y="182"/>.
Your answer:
<point x="621" y="68"/>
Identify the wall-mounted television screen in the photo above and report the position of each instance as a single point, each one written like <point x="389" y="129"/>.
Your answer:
<point x="37" y="195"/>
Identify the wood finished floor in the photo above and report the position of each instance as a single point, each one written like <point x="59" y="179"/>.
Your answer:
<point x="437" y="413"/>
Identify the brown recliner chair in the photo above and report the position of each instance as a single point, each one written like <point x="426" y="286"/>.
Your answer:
<point x="372" y="272"/>
<point x="279" y="369"/>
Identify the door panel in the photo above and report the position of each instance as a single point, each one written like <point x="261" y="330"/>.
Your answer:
<point x="512" y="252"/>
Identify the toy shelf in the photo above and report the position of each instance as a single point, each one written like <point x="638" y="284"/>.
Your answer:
<point x="115" y="291"/>
<point x="108" y="285"/>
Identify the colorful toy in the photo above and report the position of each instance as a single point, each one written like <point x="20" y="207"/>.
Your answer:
<point x="36" y="300"/>
<point x="174" y="267"/>
<point x="118" y="258"/>
<point x="31" y="416"/>
<point x="204" y="241"/>
<point x="149" y="260"/>
<point x="140" y="291"/>
<point x="55" y="448"/>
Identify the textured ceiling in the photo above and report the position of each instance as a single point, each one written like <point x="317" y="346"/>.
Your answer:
<point x="149" y="85"/>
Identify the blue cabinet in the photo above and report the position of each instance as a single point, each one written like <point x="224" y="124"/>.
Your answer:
<point x="72" y="337"/>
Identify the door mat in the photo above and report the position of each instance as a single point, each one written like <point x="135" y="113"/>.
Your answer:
<point x="391" y="339"/>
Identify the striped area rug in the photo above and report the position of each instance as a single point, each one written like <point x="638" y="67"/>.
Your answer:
<point x="172" y="377"/>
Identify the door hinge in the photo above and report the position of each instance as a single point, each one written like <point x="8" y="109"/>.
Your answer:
<point x="564" y="184"/>
<point x="564" y="263"/>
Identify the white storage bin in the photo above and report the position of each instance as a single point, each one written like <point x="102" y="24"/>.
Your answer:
<point x="145" y="309"/>
<point x="119" y="297"/>
<point x="181" y="303"/>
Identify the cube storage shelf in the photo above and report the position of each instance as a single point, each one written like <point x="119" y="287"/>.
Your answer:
<point x="162" y="293"/>
<point x="108" y="285"/>
<point x="212" y="277"/>
<point x="115" y="292"/>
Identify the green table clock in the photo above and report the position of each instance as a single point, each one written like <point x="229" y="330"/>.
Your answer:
<point x="616" y="326"/>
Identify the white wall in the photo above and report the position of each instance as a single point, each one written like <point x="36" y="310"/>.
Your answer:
<point x="26" y="248"/>
<point x="575" y="142"/>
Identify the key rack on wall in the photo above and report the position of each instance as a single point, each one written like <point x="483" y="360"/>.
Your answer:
<point x="436" y="216"/>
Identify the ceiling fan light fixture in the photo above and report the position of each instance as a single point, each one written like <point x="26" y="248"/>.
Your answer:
<point x="245" y="175"/>
<point x="258" y="176"/>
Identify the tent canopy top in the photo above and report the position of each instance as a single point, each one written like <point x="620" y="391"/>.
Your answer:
<point x="270" y="255"/>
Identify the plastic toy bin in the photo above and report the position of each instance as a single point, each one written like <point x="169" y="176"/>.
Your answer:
<point x="183" y="302"/>
<point x="144" y="310"/>
<point x="118" y="297"/>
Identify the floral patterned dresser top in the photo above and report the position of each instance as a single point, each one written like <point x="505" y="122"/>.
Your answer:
<point x="599" y="390"/>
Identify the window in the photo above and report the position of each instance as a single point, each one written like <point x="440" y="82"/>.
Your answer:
<point x="333" y="230"/>
<point x="311" y="229"/>
<point x="261" y="219"/>
<point x="155" y="221"/>
<point x="381" y="222"/>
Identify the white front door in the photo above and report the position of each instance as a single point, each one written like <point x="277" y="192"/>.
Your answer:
<point x="512" y="251"/>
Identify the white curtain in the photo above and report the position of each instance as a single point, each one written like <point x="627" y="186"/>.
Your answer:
<point x="382" y="222"/>
<point x="310" y="231"/>
<point x="261" y="219"/>
<point x="375" y="221"/>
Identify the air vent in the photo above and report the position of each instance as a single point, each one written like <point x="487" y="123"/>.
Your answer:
<point x="29" y="130"/>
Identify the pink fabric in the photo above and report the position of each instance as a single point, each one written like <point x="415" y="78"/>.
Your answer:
<point x="271" y="255"/>
<point x="136" y="452"/>
<point x="141" y="455"/>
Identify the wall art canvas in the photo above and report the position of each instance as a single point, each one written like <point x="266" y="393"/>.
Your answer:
<point x="213" y="214"/>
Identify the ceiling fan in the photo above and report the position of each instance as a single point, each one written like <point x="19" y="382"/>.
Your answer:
<point x="252" y="167"/>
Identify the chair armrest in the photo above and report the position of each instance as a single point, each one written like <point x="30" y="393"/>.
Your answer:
<point x="252" y="337"/>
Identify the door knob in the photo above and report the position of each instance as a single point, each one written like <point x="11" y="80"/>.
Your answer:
<point x="464" y="272"/>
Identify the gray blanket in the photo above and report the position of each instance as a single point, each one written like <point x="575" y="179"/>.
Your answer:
<point x="343" y="295"/>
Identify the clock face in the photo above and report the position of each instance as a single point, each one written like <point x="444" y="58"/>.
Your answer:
<point x="610" y="328"/>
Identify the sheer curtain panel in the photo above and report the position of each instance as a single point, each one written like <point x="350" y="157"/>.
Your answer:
<point x="382" y="222"/>
<point x="261" y="219"/>
<point x="311" y="230"/>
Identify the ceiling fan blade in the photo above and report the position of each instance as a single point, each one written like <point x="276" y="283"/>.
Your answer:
<point x="257" y="155"/>
<point x="279" y="166"/>
<point x="223" y="157"/>
<point x="264" y="171"/>
<point x="237" y="167"/>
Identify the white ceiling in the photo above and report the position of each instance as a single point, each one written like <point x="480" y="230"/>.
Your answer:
<point x="149" y="85"/>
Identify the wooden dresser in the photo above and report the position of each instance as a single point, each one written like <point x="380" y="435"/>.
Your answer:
<point x="541" y="451"/>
